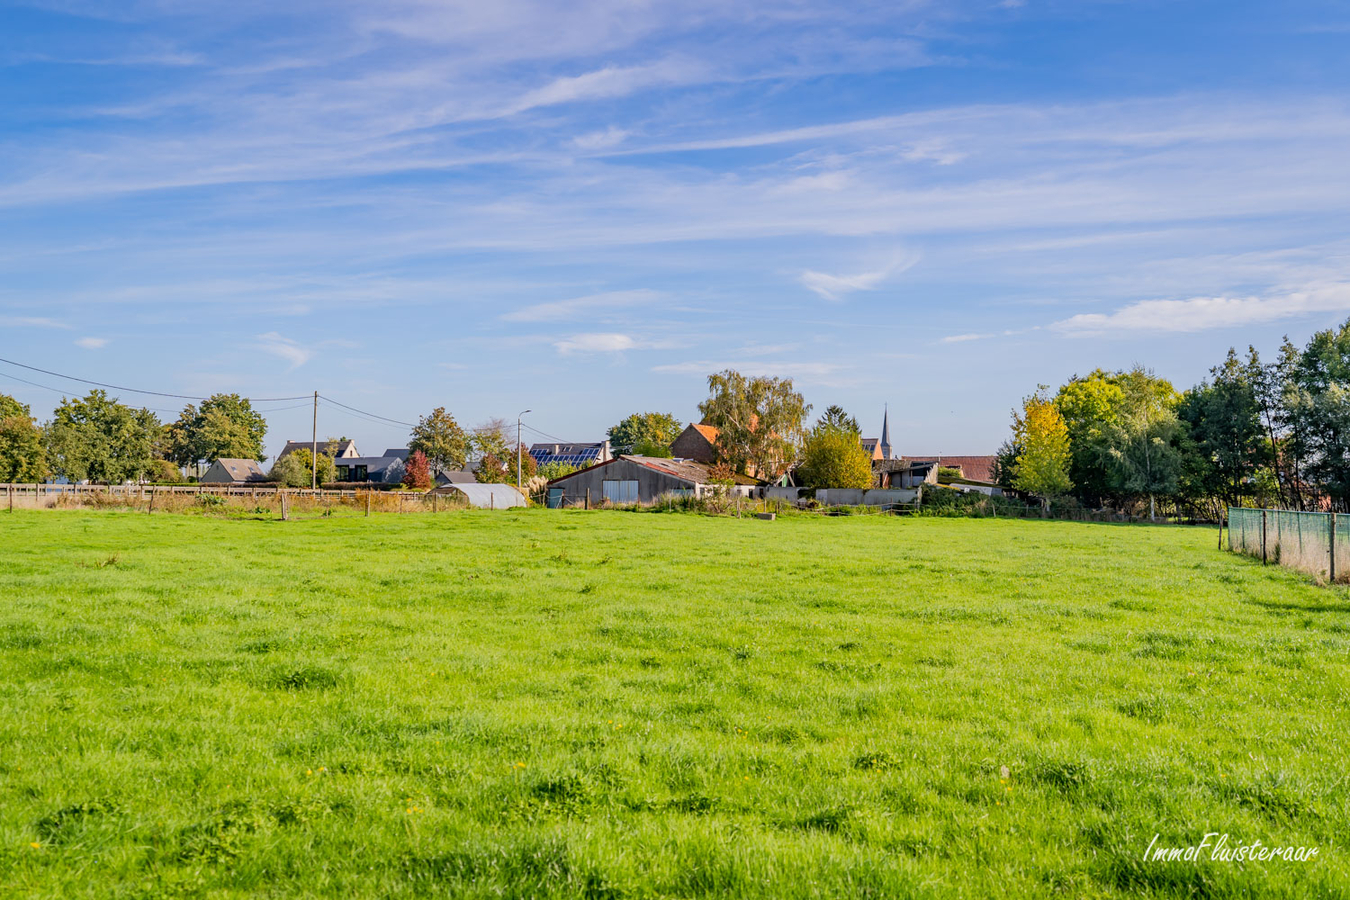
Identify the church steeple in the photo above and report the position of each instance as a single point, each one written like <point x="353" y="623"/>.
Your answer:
<point x="886" y="433"/>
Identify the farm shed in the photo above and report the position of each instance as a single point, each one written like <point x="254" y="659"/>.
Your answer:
<point x="233" y="471"/>
<point x="637" y="479"/>
<point x="483" y="496"/>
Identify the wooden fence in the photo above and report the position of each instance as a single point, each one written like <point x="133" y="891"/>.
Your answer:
<point x="157" y="497"/>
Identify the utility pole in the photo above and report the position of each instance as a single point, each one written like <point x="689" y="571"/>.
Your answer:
<point x="522" y="412"/>
<point x="314" y="448"/>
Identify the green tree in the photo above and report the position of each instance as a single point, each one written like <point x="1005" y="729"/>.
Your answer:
<point x="22" y="456"/>
<point x="441" y="438"/>
<point x="1090" y="406"/>
<point x="651" y="427"/>
<point x="1144" y="438"/>
<point x="1223" y="443"/>
<point x="1042" y="467"/>
<point x="1316" y="398"/>
<point x="490" y="439"/>
<point x="759" y="422"/>
<point x="1005" y="462"/>
<point x="226" y="427"/>
<point x="834" y="458"/>
<point x="164" y="471"/>
<point x="835" y="417"/>
<point x="492" y="470"/>
<point x="651" y="448"/>
<point x="554" y="470"/>
<point x="99" y="439"/>
<point x="295" y="469"/>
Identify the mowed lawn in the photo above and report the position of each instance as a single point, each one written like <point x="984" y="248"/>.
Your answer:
<point x="609" y="704"/>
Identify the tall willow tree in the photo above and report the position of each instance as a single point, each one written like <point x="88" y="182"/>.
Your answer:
<point x="759" y="422"/>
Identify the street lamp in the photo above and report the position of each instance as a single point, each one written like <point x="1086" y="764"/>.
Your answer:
<point x="518" y="415"/>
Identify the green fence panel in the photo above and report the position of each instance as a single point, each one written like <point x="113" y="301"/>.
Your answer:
<point x="1298" y="540"/>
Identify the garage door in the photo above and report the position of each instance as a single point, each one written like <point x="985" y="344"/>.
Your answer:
<point x="621" y="491"/>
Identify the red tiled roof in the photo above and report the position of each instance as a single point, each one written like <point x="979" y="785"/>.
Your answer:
<point x="708" y="431"/>
<point x="976" y="468"/>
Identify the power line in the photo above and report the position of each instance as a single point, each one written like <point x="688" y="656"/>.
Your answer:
<point x="367" y="413"/>
<point x="551" y="437"/>
<point x="365" y="418"/>
<point x="375" y="418"/>
<point x="64" y="393"/>
<point x="116" y="387"/>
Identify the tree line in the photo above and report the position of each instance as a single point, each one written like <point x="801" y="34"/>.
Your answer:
<point x="760" y="421"/>
<point x="1264" y="433"/>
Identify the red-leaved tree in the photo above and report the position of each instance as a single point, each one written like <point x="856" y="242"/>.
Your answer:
<point x="417" y="472"/>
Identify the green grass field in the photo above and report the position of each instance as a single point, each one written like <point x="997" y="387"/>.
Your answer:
<point x="610" y="704"/>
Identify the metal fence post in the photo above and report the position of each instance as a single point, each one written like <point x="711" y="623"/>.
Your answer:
<point x="1331" y="555"/>
<point x="1263" y="536"/>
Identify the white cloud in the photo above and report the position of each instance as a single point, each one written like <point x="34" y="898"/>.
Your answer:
<point x="611" y="81"/>
<point x="285" y="348"/>
<point x="835" y="287"/>
<point x="601" y="140"/>
<point x="1203" y="313"/>
<point x="559" y="310"/>
<point x="962" y="338"/>
<point x="31" y="322"/>
<point x="91" y="343"/>
<point x="596" y="343"/>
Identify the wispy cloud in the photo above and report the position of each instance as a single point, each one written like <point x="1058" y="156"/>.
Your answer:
<point x="836" y="287"/>
<point x="284" y="348"/>
<point x="560" y="310"/>
<point x="601" y="140"/>
<point x="32" y="322"/>
<point x="610" y="342"/>
<point x="91" y="343"/>
<point x="611" y="81"/>
<point x="963" y="338"/>
<point x="1204" y="313"/>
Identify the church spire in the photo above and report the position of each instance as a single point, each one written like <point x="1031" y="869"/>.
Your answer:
<point x="886" y="433"/>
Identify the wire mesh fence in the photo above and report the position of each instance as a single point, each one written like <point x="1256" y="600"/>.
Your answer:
<point x="1311" y="542"/>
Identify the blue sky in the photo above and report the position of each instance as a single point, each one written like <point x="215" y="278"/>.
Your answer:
<point x="585" y="208"/>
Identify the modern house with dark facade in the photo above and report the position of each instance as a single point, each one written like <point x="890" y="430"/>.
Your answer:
<point x="369" y="469"/>
<point x="639" y="479"/>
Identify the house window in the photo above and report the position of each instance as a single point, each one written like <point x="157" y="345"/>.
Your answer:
<point x="621" y="491"/>
<point x="359" y="473"/>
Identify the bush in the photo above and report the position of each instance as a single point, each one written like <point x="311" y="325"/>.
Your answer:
<point x="941" y="501"/>
<point x="295" y="469"/>
<point x="550" y="471"/>
<point x="835" y="458"/>
<point x="652" y="449"/>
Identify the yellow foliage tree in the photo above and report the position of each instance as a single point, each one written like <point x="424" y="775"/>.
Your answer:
<point x="1042" y="466"/>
